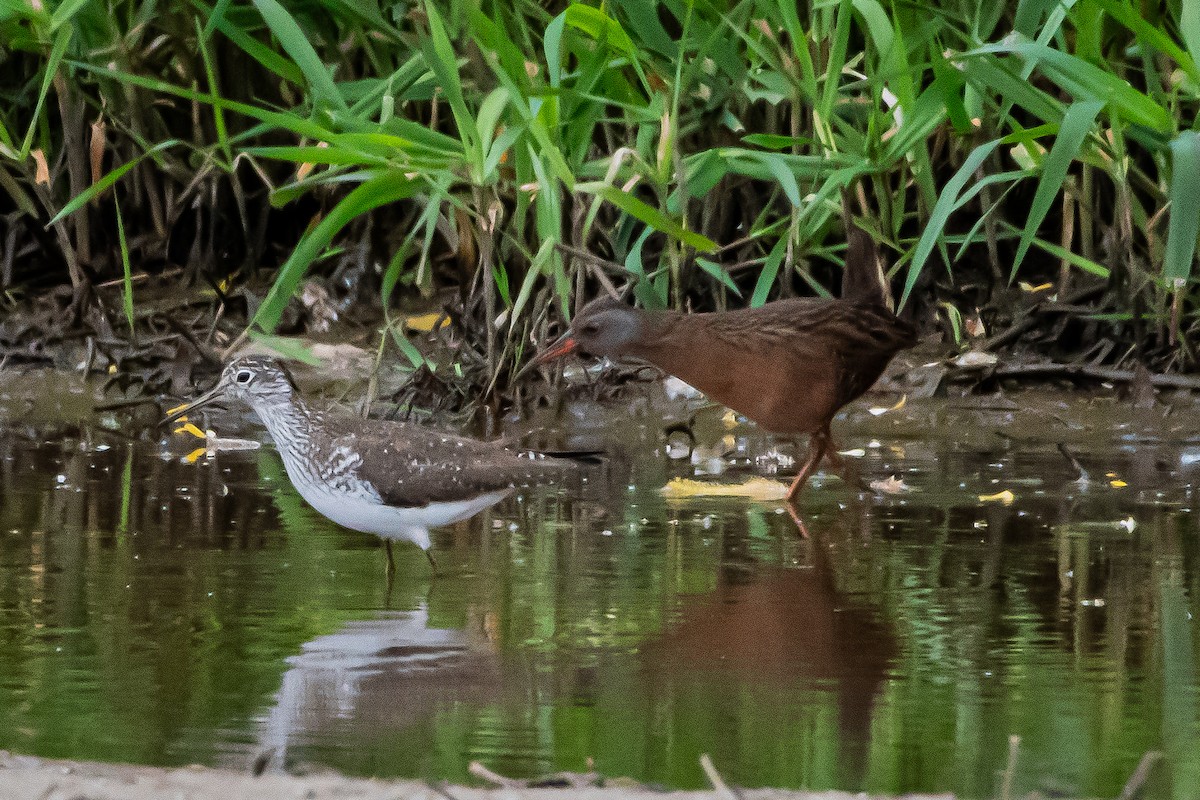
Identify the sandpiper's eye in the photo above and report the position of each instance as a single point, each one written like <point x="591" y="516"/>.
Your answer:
<point x="244" y="376"/>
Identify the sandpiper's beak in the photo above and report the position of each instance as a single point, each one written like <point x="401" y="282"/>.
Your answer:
<point x="211" y="396"/>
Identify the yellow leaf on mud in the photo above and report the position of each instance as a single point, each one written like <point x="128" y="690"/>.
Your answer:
<point x="878" y="411"/>
<point x="1029" y="287"/>
<point x="752" y="489"/>
<point x="1117" y="483"/>
<point x="1005" y="497"/>
<point x="423" y="323"/>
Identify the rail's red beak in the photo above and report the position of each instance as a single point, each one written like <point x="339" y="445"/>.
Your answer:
<point x="564" y="346"/>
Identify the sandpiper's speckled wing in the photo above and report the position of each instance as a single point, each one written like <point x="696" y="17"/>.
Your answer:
<point x="410" y="466"/>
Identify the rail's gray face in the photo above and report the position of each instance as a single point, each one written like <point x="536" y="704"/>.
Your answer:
<point x="603" y="327"/>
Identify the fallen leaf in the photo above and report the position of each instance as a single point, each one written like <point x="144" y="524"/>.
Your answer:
<point x="423" y="323"/>
<point x="729" y="419"/>
<point x="1006" y="497"/>
<point x="1029" y="287"/>
<point x="752" y="489"/>
<point x="975" y="358"/>
<point x="1117" y="484"/>
<point x="677" y="389"/>
<point x="889" y="485"/>
<point x="878" y="411"/>
<point x="974" y="326"/>
<point x="857" y="452"/>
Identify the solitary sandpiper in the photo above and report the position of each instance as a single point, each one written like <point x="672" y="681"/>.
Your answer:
<point x="393" y="479"/>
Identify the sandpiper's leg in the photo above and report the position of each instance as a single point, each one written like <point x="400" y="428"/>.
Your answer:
<point x="817" y="444"/>
<point x="387" y="548"/>
<point x="432" y="562"/>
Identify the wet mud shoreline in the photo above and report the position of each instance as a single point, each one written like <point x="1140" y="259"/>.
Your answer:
<point x="29" y="777"/>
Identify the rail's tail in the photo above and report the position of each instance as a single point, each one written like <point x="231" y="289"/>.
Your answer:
<point x="864" y="278"/>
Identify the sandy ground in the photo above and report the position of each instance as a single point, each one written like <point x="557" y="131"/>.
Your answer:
<point x="29" y="778"/>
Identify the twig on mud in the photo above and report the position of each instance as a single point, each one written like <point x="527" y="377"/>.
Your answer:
<point x="203" y="350"/>
<point x="442" y="788"/>
<point x="483" y="773"/>
<point x="600" y="264"/>
<point x="718" y="783"/>
<point x="1054" y="368"/>
<point x="1029" y="318"/>
<point x="1133" y="786"/>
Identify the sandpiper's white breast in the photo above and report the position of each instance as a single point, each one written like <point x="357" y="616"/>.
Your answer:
<point x="339" y="494"/>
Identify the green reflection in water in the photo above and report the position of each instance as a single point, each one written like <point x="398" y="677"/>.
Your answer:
<point x="162" y="613"/>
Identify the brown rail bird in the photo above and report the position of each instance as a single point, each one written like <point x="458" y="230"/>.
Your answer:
<point x="788" y="366"/>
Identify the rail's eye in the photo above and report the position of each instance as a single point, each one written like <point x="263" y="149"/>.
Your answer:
<point x="244" y="376"/>
<point x="589" y="328"/>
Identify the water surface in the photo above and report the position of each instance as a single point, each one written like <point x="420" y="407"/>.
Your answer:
<point x="169" y="613"/>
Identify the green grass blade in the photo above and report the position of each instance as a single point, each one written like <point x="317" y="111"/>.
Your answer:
<point x="1184" y="225"/>
<point x="61" y="40"/>
<point x="280" y="119"/>
<point x="1063" y="254"/>
<point x="649" y="215"/>
<point x="210" y="73"/>
<point x="292" y="39"/>
<point x="384" y="187"/>
<point x="1148" y="34"/>
<point x="127" y="272"/>
<point x="940" y="214"/>
<point x="720" y="273"/>
<point x="779" y="168"/>
<point x="770" y="271"/>
<point x="1086" y="81"/>
<point x="286" y="346"/>
<point x="1076" y="124"/>
<point x="1189" y="27"/>
<point x="264" y="55"/>
<point x="65" y="13"/>
<point x="108" y="180"/>
<point x="439" y="56"/>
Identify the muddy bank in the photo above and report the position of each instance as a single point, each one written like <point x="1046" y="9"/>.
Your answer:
<point x="28" y="777"/>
